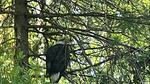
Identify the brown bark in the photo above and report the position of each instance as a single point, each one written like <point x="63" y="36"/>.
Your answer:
<point x="21" y="29"/>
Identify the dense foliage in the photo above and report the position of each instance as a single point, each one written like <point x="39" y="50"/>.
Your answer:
<point x="111" y="40"/>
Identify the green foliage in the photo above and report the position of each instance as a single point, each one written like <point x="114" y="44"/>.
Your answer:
<point x="111" y="41"/>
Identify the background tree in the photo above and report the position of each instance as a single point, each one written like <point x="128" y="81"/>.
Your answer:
<point x="111" y="40"/>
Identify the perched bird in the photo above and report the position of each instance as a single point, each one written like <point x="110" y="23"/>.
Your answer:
<point x="57" y="59"/>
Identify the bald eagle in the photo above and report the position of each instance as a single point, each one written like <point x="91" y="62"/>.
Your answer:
<point x="57" y="59"/>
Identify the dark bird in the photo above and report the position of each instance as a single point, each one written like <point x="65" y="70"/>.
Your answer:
<point x="57" y="59"/>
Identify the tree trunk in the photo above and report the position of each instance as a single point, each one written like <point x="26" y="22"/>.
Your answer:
<point x="21" y="30"/>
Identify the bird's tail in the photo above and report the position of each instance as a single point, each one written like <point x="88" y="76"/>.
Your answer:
<point x="55" y="77"/>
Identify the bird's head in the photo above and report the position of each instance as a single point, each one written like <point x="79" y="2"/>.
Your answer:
<point x="64" y="41"/>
